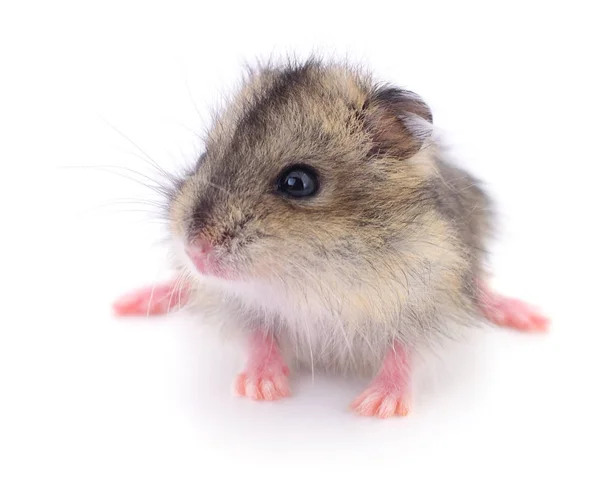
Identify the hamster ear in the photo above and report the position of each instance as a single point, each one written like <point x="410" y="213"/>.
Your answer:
<point x="398" y="120"/>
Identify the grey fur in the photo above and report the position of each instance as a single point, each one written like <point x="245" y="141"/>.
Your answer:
<point x="391" y="249"/>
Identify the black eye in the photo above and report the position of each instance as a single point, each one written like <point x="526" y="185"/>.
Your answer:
<point x="298" y="181"/>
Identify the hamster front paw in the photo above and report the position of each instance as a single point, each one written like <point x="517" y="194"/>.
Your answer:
<point x="153" y="300"/>
<point x="388" y="394"/>
<point x="266" y="375"/>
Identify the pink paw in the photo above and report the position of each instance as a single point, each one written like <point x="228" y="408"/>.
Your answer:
<point x="387" y="395"/>
<point x="263" y="384"/>
<point x="382" y="402"/>
<point x="514" y="313"/>
<point x="266" y="375"/>
<point x="155" y="300"/>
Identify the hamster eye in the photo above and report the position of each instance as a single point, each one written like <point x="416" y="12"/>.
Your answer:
<point x="298" y="181"/>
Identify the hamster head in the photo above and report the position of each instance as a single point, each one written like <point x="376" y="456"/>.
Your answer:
<point x="312" y="172"/>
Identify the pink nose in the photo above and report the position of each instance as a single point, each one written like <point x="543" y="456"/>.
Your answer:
<point x="200" y="253"/>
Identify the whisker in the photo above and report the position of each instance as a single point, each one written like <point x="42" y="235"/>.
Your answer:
<point x="187" y="87"/>
<point x="157" y="187"/>
<point x="151" y="298"/>
<point x="146" y="155"/>
<point x="212" y="184"/>
<point x="177" y="283"/>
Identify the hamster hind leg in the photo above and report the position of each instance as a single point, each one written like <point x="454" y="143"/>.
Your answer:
<point x="265" y="377"/>
<point x="158" y="299"/>
<point x="511" y="312"/>
<point x="388" y="393"/>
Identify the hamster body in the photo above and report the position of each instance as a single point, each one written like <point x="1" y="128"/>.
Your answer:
<point x="325" y="224"/>
<point x="389" y="248"/>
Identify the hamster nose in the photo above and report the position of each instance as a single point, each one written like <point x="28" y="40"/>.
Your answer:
<point x="199" y="252"/>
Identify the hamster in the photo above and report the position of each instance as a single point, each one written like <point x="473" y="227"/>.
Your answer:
<point x="326" y="225"/>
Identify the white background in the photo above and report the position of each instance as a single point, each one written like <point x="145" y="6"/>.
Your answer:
<point x="514" y="86"/>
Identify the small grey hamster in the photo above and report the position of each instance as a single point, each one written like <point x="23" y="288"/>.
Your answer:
<point x="327" y="226"/>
